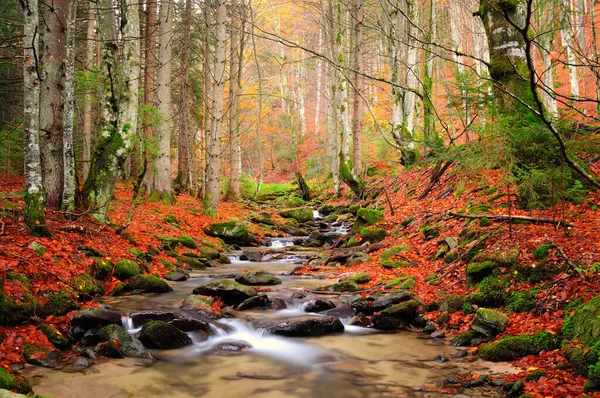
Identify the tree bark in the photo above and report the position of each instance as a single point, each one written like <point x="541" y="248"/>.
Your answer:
<point x="89" y="96"/>
<point x="184" y="180"/>
<point x="147" y="143"/>
<point x="161" y="183"/>
<point x="213" y="156"/>
<point x="53" y="56"/>
<point x="357" y="166"/>
<point x="34" y="201"/>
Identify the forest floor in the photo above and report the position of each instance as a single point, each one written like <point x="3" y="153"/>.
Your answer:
<point x="566" y="271"/>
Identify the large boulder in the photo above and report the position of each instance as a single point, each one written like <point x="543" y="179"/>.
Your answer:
<point x="310" y="325"/>
<point x="293" y="231"/>
<point x="300" y="214"/>
<point x="366" y="217"/>
<point x="232" y="232"/>
<point x="159" y="334"/>
<point x="125" y="269"/>
<point x="489" y="323"/>
<point x="148" y="284"/>
<point x="398" y="315"/>
<point x="262" y="301"/>
<point x="229" y="291"/>
<point x="318" y="305"/>
<point x="476" y="272"/>
<point x="93" y="317"/>
<point x="257" y="278"/>
<point x="119" y="343"/>
<point x="198" y="303"/>
<point x="388" y="300"/>
<point x="89" y="286"/>
<point x="345" y="286"/>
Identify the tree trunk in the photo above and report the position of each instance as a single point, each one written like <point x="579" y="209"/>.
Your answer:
<point x="213" y="156"/>
<point x="319" y="83"/>
<point x="89" y="96"/>
<point x="54" y="54"/>
<point x="161" y="183"/>
<point x="34" y="201"/>
<point x="431" y="138"/>
<point x="357" y="116"/>
<point x="68" y="189"/>
<point x="568" y="42"/>
<point x="412" y="65"/>
<point x="184" y="173"/>
<point x="147" y="147"/>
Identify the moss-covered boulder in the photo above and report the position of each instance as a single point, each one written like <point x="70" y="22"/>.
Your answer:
<point x="88" y="286"/>
<point x="229" y="291"/>
<point x="198" y="303"/>
<point x="464" y="339"/>
<point x="372" y="234"/>
<point x="360" y="278"/>
<point x="506" y="258"/>
<point x="476" y="272"/>
<point x="509" y="348"/>
<point x="366" y="217"/>
<point x="102" y="268"/>
<point x="147" y="284"/>
<point x="9" y="381"/>
<point x="300" y="214"/>
<point x="119" y="343"/>
<point x="162" y="335"/>
<point x="388" y="258"/>
<point x="187" y="241"/>
<point x="209" y="252"/>
<point x="40" y="356"/>
<point x="231" y="232"/>
<point x="12" y="311"/>
<point x="58" y="303"/>
<point x="125" y="269"/>
<point x="94" y="317"/>
<point x="489" y="322"/>
<point x="345" y="286"/>
<point x="397" y="316"/>
<point x="54" y="336"/>
<point x="430" y="231"/>
<point x="257" y="278"/>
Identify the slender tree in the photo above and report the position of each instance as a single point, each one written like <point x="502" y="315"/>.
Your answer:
<point x="68" y="191"/>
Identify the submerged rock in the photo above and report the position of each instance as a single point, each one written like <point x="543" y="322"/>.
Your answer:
<point x="159" y="334"/>
<point x="229" y="291"/>
<point x="302" y="326"/>
<point x="262" y="301"/>
<point x="318" y="305"/>
<point x="177" y="276"/>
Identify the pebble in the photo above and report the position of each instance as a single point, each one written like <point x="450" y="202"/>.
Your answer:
<point x="460" y="354"/>
<point x="438" y="334"/>
<point x="441" y="358"/>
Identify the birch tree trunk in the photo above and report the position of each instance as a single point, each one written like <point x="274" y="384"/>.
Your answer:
<point x="412" y="72"/>
<point x="147" y="143"/>
<point x="213" y="156"/>
<point x="430" y="136"/>
<point x="68" y="189"/>
<point x="357" y="116"/>
<point x="34" y="200"/>
<point x="161" y="183"/>
<point x="184" y="173"/>
<point x="567" y="37"/>
<point x="89" y="96"/>
<point x="235" y="76"/>
<point x="54" y="54"/>
<point x="319" y="83"/>
<point x="546" y="22"/>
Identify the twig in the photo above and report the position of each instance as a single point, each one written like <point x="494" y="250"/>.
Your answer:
<point x="504" y="217"/>
<point x="567" y="259"/>
<point x="387" y="197"/>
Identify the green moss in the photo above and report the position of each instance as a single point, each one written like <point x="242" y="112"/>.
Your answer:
<point x="353" y="209"/>
<point x="468" y="308"/>
<point x="434" y="279"/>
<point x="386" y="258"/>
<point x="591" y="386"/>
<point x="59" y="303"/>
<point x="31" y="349"/>
<point x="545" y="341"/>
<point x="171" y="219"/>
<point x="102" y="268"/>
<point x="300" y="214"/>
<point x="366" y="217"/>
<point x="484" y="222"/>
<point x="360" y="278"/>
<point x="89" y="286"/>
<point x="541" y="252"/>
<point x="125" y="269"/>
<point x="407" y="221"/>
<point x="430" y="231"/>
<point x="408" y="284"/>
<point x="451" y="257"/>
<point x="476" y="272"/>
<point x="490" y="190"/>
<point x="464" y="339"/>
<point x="54" y="336"/>
<point x="38" y="248"/>
<point x="345" y="286"/>
<point x="393" y="283"/>
<point x="13" y="276"/>
<point x="372" y="234"/>
<point x="7" y="381"/>
<point x="509" y="348"/>
<point x="452" y="304"/>
<point x="523" y="301"/>
<point x="147" y="284"/>
<point x="535" y="375"/>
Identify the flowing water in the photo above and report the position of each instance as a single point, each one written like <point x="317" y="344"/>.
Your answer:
<point x="357" y="363"/>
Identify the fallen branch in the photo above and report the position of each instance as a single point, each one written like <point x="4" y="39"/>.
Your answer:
<point x="387" y="197"/>
<point x="567" y="259"/>
<point x="438" y="172"/>
<point x="504" y="217"/>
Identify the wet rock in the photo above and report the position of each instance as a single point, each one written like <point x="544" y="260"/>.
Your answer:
<point x="162" y="335"/>
<point x="274" y="374"/>
<point x="262" y="301"/>
<point x="119" y="343"/>
<point x="388" y="323"/>
<point x="360" y="304"/>
<point x="91" y="337"/>
<point x="229" y="291"/>
<point x="233" y="347"/>
<point x="302" y="326"/>
<point x="404" y="313"/>
<point x="346" y="286"/>
<point x="191" y="325"/>
<point x="460" y="354"/>
<point x="54" y="336"/>
<point x="360" y="320"/>
<point x="177" y="276"/>
<point x="198" y="303"/>
<point x="125" y="269"/>
<point x="89" y="354"/>
<point x="366" y="217"/>
<point x="257" y="278"/>
<point x="251" y="255"/>
<point x="318" y="305"/>
<point x="441" y="358"/>
<point x="232" y="232"/>
<point x="300" y="214"/>
<point x="438" y="334"/>
<point x="430" y="327"/>
<point x="40" y="356"/>
<point x="451" y="380"/>
<point x="293" y="231"/>
<point x="393" y="298"/>
<point x="141" y="318"/>
<point x="341" y="311"/>
<point x="489" y="323"/>
<point x="91" y="317"/>
<point x="147" y="284"/>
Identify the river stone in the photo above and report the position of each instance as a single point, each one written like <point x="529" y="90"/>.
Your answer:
<point x="345" y="286"/>
<point x="251" y="255"/>
<point x="125" y="269"/>
<point x="262" y="301"/>
<point x="360" y="304"/>
<point x="191" y="325"/>
<point x="159" y="334"/>
<point x="231" y="347"/>
<point x="198" y="302"/>
<point x="229" y="291"/>
<point x="91" y="317"/>
<point x="293" y="231"/>
<point x="54" y="336"/>
<point x="119" y="341"/>
<point x="300" y="214"/>
<point x="393" y="298"/>
<point x="231" y="232"/>
<point x="489" y="323"/>
<point x="310" y="325"/>
<point x="148" y="284"/>
<point x="257" y="278"/>
<point x="141" y="318"/>
<point x="177" y="276"/>
<point x="318" y="305"/>
<point x="40" y="356"/>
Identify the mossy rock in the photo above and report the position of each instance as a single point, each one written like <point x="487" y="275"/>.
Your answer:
<point x="358" y="258"/>
<point x="147" y="284"/>
<point x="407" y="221"/>
<point x="198" y="303"/>
<point x="464" y="339"/>
<point x="353" y="209"/>
<point x="360" y="278"/>
<point x="58" y="303"/>
<point x="172" y="220"/>
<point x="408" y="284"/>
<point x="509" y="348"/>
<point x="386" y="258"/>
<point x="232" y="232"/>
<point x="118" y="342"/>
<point x="187" y="241"/>
<point x="366" y="217"/>
<point x="12" y="311"/>
<point x="352" y="242"/>
<point x="38" y="248"/>
<point x="434" y="279"/>
<point x="257" y="278"/>
<point x="345" y="286"/>
<point x="209" y="252"/>
<point x="476" y="272"/>
<point x="294" y="201"/>
<point x="394" y="282"/>
<point x="489" y="323"/>
<point x="89" y="286"/>
<point x="430" y="231"/>
<point x="229" y="291"/>
<point x="161" y="335"/>
<point x="192" y="262"/>
<point x="451" y="257"/>
<point x="542" y="251"/>
<point x="405" y="312"/>
<point x="102" y="268"/>
<point x="125" y="269"/>
<point x="372" y="234"/>
<point x="452" y="304"/>
<point x="54" y="336"/>
<point x="9" y="381"/>
<point x="506" y="258"/>
<point x="523" y="301"/>
<point x="300" y="214"/>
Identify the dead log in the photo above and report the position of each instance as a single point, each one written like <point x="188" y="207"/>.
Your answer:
<point x="505" y="217"/>
<point x="303" y="186"/>
<point x="438" y="172"/>
<point x="567" y="259"/>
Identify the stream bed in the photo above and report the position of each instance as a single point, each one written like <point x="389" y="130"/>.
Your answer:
<point x="360" y="362"/>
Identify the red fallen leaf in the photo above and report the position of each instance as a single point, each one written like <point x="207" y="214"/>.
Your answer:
<point x="38" y="355"/>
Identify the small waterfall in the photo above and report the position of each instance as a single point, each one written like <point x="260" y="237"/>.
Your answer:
<point x="316" y="214"/>
<point x="128" y="324"/>
<point x="276" y="243"/>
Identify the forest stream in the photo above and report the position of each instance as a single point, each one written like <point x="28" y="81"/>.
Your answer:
<point x="237" y="358"/>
